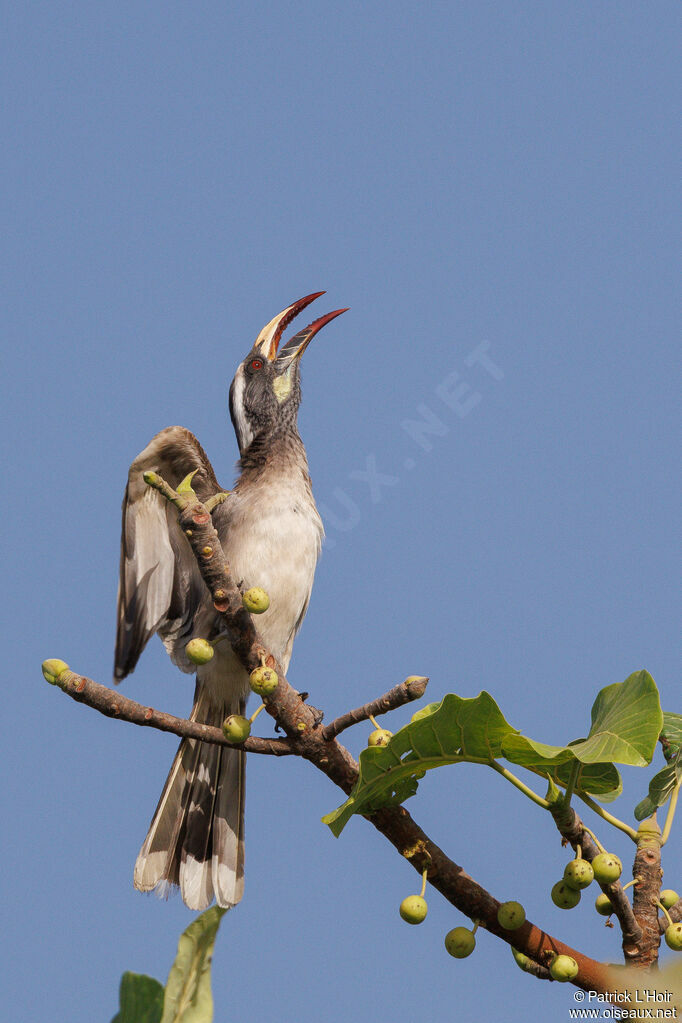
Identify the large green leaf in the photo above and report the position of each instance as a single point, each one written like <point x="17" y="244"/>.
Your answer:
<point x="661" y="788"/>
<point x="626" y="722"/>
<point x="188" y="989"/>
<point x="449" y="732"/>
<point x="140" y="999"/>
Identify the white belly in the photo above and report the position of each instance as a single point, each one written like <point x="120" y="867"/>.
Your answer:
<point x="274" y="545"/>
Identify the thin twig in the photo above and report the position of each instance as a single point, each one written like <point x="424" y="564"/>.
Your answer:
<point x="111" y="703"/>
<point x="411" y="689"/>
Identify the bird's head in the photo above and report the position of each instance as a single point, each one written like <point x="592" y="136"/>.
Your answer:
<point x="266" y="391"/>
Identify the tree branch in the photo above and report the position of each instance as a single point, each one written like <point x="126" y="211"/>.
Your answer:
<point x="412" y="688"/>
<point x="111" y="703"/>
<point x="300" y="722"/>
<point x="647" y="869"/>
<point x="572" y="830"/>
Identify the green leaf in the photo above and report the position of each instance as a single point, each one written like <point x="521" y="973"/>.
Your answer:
<point x="188" y="990"/>
<point x="626" y="723"/>
<point x="140" y="999"/>
<point x="661" y="788"/>
<point x="672" y="728"/>
<point x="449" y="732"/>
<point x="600" y="780"/>
<point x="556" y="763"/>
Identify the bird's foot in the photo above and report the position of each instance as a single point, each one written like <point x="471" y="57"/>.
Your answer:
<point x="318" y="715"/>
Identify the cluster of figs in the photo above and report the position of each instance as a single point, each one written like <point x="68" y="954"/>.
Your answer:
<point x="460" y="942"/>
<point x="606" y="869"/>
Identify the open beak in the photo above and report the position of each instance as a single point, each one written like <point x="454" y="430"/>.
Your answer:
<point x="295" y="348"/>
<point x="269" y="337"/>
<point x="268" y="340"/>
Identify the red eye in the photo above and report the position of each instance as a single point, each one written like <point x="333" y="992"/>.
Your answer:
<point x="256" y="364"/>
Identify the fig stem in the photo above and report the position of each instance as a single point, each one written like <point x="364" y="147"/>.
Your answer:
<point x="594" y="838"/>
<point x="374" y="721"/>
<point x="609" y="817"/>
<point x="671" y="814"/>
<point x="570" y="784"/>
<point x="256" y="713"/>
<point x="519" y="784"/>
<point x="423" y="882"/>
<point x="667" y="914"/>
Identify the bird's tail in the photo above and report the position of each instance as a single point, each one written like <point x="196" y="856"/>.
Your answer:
<point x="196" y="837"/>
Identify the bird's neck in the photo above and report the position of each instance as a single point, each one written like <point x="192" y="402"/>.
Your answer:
<point x="275" y="451"/>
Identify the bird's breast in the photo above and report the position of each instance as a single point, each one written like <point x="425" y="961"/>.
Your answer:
<point x="272" y="540"/>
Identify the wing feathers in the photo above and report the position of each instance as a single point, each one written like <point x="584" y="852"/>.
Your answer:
<point x="160" y="588"/>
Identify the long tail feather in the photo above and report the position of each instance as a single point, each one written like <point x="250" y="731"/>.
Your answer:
<point x="196" y="837"/>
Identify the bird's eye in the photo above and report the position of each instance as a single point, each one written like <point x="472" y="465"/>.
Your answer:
<point x="256" y="364"/>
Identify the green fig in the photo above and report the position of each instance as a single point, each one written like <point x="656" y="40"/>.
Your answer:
<point x="579" y="874"/>
<point x="460" y="942"/>
<point x="607" y="868"/>
<point x="199" y="651"/>
<point x="379" y="737"/>
<point x="52" y="669"/>
<point x="564" y="896"/>
<point x="256" y="600"/>
<point x="236" y="728"/>
<point x="511" y="915"/>
<point x="669" y="898"/>
<point x="413" y="909"/>
<point x="603" y="905"/>
<point x="673" y="937"/>
<point x="263" y="681"/>
<point x="563" y="968"/>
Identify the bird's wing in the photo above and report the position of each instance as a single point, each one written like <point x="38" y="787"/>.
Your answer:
<point x="160" y="589"/>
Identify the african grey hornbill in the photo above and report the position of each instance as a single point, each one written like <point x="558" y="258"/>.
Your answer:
<point x="271" y="533"/>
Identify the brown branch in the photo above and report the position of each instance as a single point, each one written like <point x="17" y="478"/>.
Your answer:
<point x="235" y="621"/>
<point x="412" y="688"/>
<point x="647" y="869"/>
<point x="572" y="830"/>
<point x="396" y="824"/>
<point x="111" y="703"/>
<point x="300" y="722"/>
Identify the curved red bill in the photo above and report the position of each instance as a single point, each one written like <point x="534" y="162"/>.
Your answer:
<point x="269" y="337"/>
<point x="295" y="347"/>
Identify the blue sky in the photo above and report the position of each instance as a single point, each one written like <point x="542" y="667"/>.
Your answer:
<point x="478" y="179"/>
